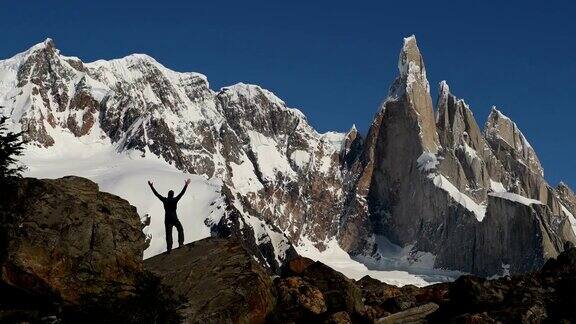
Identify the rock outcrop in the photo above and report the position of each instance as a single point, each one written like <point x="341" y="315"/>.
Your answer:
<point x="52" y="260"/>
<point x="310" y="292"/>
<point x="220" y="280"/>
<point x="70" y="253"/>
<point x="67" y="239"/>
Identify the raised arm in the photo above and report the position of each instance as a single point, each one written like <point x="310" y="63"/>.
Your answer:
<point x="183" y="190"/>
<point x="154" y="191"/>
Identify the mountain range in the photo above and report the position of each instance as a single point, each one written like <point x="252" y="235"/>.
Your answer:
<point x="426" y="188"/>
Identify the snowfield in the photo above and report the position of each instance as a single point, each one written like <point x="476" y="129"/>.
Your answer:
<point x="126" y="175"/>
<point x="395" y="270"/>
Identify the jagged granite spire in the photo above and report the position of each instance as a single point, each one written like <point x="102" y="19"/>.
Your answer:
<point x="412" y="90"/>
<point x="503" y="133"/>
<point x="411" y="63"/>
<point x="455" y="120"/>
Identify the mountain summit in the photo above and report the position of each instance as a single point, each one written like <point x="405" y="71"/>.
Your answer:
<point x="426" y="188"/>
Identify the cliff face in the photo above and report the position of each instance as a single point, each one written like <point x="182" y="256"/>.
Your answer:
<point x="476" y="200"/>
<point x="426" y="180"/>
<point x="65" y="238"/>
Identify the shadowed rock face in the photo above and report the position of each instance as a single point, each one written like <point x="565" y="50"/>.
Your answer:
<point x="220" y="279"/>
<point x="67" y="239"/>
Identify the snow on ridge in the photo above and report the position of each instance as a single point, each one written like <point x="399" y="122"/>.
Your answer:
<point x="123" y="69"/>
<point x="252" y="90"/>
<point x="427" y="161"/>
<point x="497" y="186"/>
<point x="442" y="182"/>
<point x="515" y="127"/>
<point x="335" y="140"/>
<point x="571" y="217"/>
<point x="515" y="198"/>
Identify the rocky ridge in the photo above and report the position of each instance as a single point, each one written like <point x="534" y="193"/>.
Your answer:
<point x="311" y="292"/>
<point x="74" y="255"/>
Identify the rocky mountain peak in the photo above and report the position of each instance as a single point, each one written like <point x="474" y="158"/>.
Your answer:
<point x="455" y="120"/>
<point x="501" y="129"/>
<point x="353" y="128"/>
<point x="443" y="89"/>
<point x="410" y="61"/>
<point x="412" y="90"/>
<point x="564" y="187"/>
<point x="49" y="43"/>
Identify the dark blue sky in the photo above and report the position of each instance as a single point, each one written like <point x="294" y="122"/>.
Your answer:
<point x="335" y="60"/>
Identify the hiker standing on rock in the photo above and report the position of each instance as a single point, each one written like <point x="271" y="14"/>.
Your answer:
<point x="170" y="217"/>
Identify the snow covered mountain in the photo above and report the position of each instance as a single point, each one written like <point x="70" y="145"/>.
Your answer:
<point x="421" y="191"/>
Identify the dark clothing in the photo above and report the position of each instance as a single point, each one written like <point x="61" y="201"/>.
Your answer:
<point x="168" y="223"/>
<point x="171" y="217"/>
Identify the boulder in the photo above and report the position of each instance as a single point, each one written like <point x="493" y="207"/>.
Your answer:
<point x="340" y="293"/>
<point x="298" y="300"/>
<point x="339" y="318"/>
<point x="412" y="315"/>
<point x="375" y="291"/>
<point x="220" y="279"/>
<point x="66" y="239"/>
<point x="296" y="266"/>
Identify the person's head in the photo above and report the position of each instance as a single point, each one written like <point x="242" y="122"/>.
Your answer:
<point x="171" y="194"/>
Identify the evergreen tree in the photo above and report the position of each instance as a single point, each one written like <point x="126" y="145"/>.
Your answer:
<point x="11" y="146"/>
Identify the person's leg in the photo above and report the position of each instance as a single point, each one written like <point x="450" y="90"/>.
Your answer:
<point x="180" y="229"/>
<point x="168" y="225"/>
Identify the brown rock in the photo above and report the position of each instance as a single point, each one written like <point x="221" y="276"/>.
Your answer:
<point x="339" y="318"/>
<point x="298" y="300"/>
<point x="297" y="265"/>
<point x="222" y="282"/>
<point x="413" y="315"/>
<point x="376" y="292"/>
<point x="340" y="293"/>
<point x="65" y="237"/>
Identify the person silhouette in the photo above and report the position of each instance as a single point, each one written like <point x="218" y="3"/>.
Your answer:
<point x="170" y="216"/>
